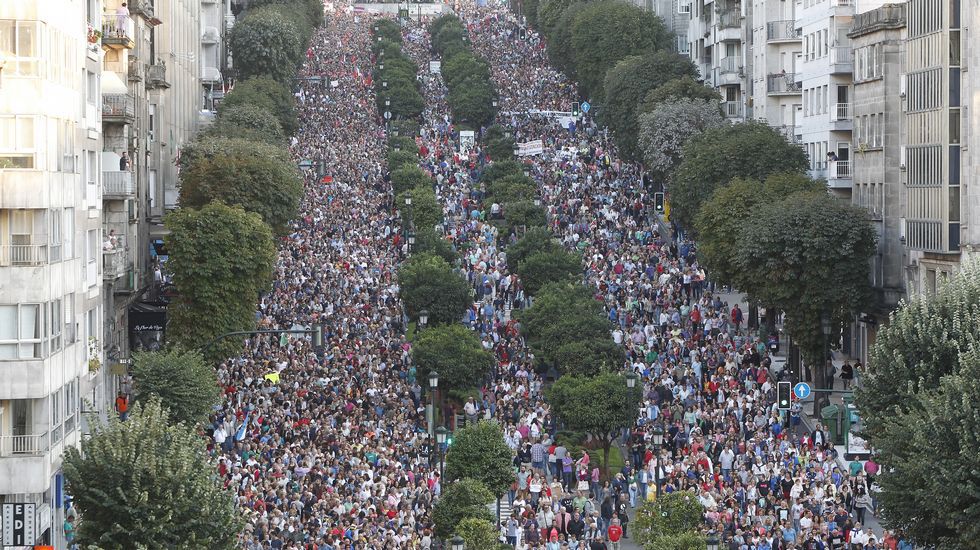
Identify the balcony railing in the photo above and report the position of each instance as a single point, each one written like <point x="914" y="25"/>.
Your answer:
<point x="730" y="64"/>
<point x="841" y="55"/>
<point x="840" y="112"/>
<point x="210" y="35"/>
<point x="118" y="107"/>
<point x="113" y="264"/>
<point x="23" y="444"/>
<point x="729" y="19"/>
<point x="117" y="184"/>
<point x="783" y="30"/>
<point x="783" y="83"/>
<point x="156" y="76"/>
<point x="839" y="169"/>
<point x="118" y="31"/>
<point x="135" y="69"/>
<point x="732" y="109"/>
<point x="23" y="255"/>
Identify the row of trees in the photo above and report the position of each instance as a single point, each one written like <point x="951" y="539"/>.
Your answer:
<point x="396" y="86"/>
<point x="239" y="188"/>
<point x="467" y="75"/>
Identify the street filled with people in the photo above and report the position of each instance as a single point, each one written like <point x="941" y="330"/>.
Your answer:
<point x="330" y="448"/>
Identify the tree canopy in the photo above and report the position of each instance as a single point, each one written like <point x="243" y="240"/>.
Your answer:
<point x="455" y="352"/>
<point x="541" y="268"/>
<point x="479" y="452"/>
<point x="267" y="93"/>
<point x="600" y="406"/>
<point x="677" y="514"/>
<point x="183" y="382"/>
<point x="259" y="177"/>
<point x="148" y="483"/>
<point x="678" y="88"/>
<point x="428" y="282"/>
<point x="564" y="313"/>
<point x="266" y="43"/>
<point x="498" y="144"/>
<point x="425" y="211"/>
<point x="221" y="258"/>
<point x="523" y="213"/>
<point x="607" y="31"/>
<point x="535" y="239"/>
<point x="408" y="177"/>
<point x="808" y="255"/>
<point x="464" y="498"/>
<point x="479" y="534"/>
<point x="247" y="121"/>
<point x="628" y="82"/>
<point x="919" y="401"/>
<point x="664" y="131"/>
<point x="718" y="155"/>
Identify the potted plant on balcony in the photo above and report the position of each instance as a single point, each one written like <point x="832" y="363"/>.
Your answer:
<point x="94" y="35"/>
<point x="94" y="352"/>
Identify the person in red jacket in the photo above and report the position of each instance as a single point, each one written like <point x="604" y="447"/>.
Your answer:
<point x="614" y="533"/>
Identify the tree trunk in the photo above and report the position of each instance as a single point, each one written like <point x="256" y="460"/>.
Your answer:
<point x="606" y="444"/>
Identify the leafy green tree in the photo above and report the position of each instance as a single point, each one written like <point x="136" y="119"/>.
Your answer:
<point x="408" y="177"/>
<point x="479" y="534"/>
<point x="665" y="131"/>
<point x="479" y="452"/>
<point x="523" y="213"/>
<point x="535" y="239"/>
<point x="718" y="155"/>
<point x="549" y="13"/>
<point x="719" y="219"/>
<point x="462" y="66"/>
<point x="221" y="258"/>
<point x="808" y="255"/>
<point x="310" y="12"/>
<point x="181" y="380"/>
<point x="560" y="47"/>
<point x="530" y="12"/>
<point x="427" y="240"/>
<point x="265" y="43"/>
<point x="511" y="188"/>
<point x="148" y="483"/>
<point x="428" y="282"/>
<point x="249" y="122"/>
<point x="404" y="96"/>
<point x="628" y="82"/>
<point x="388" y="29"/>
<point x="464" y="498"/>
<point x="541" y="268"/>
<point x="671" y="515"/>
<point x="257" y="176"/>
<point x="471" y="101"/>
<point x="605" y="32"/>
<point x="455" y="352"/>
<point x="919" y="401"/>
<point x="678" y="88"/>
<point x="690" y="540"/>
<point x="588" y="357"/>
<point x="498" y="144"/>
<point x="267" y="93"/>
<point x="402" y="143"/>
<point x="562" y="313"/>
<point x="501" y="169"/>
<point x="425" y="211"/>
<point x="446" y="20"/>
<point x="600" y="406"/>
<point x="401" y="159"/>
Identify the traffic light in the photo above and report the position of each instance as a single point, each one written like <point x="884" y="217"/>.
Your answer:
<point x="523" y="33"/>
<point x="576" y="109"/>
<point x="783" y="395"/>
<point x="658" y="202"/>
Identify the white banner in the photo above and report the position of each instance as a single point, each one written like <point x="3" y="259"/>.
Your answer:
<point x="535" y="147"/>
<point x="435" y="67"/>
<point x="466" y="140"/>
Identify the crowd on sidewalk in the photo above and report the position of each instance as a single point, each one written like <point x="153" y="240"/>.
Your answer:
<point x="328" y="451"/>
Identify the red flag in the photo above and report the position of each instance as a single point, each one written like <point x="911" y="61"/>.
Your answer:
<point x="327" y="179"/>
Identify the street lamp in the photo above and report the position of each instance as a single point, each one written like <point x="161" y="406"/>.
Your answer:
<point x="441" y="434"/>
<point x="387" y="103"/>
<point x="457" y="543"/>
<point x="408" y="201"/>
<point x="384" y="83"/>
<point x="527" y="172"/>
<point x="411" y="240"/>
<point x="424" y="318"/>
<point x="381" y="66"/>
<point x="494" y="103"/>
<point x="631" y="380"/>
<point x="712" y="541"/>
<point x="537" y="202"/>
<point x="658" y="440"/>
<point x="398" y="148"/>
<point x="826" y="326"/>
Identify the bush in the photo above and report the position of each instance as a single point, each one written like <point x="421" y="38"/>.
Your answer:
<point x="408" y="177"/>
<point x="428" y="282"/>
<point x="265" y="92"/>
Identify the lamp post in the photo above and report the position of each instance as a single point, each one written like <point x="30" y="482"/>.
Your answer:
<point x="537" y="201"/>
<point x="433" y="388"/>
<point x="411" y="240"/>
<point x="457" y="543"/>
<point x="712" y="541"/>
<point x="826" y="326"/>
<point x="631" y="378"/>
<point x="423" y="318"/>
<point x="441" y="434"/>
<point x="658" y="440"/>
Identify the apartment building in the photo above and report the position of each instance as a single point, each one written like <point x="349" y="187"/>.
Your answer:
<point x="716" y="32"/>
<point x="50" y="247"/>
<point x="878" y="41"/>
<point x="773" y="65"/>
<point x="216" y="20"/>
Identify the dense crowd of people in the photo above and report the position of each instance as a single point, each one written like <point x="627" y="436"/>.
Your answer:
<point x="328" y="449"/>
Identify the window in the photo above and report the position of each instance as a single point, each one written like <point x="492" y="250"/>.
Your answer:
<point x="71" y="405"/>
<point x="69" y="313"/>
<point x="20" y="44"/>
<point x="55" y="324"/>
<point x="65" y="156"/>
<point x="56" y="414"/>
<point x="55" y="235"/>
<point x="17" y="142"/>
<point x="69" y="241"/>
<point x="20" y="331"/>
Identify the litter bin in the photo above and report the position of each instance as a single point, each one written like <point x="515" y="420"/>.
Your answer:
<point x="831" y="417"/>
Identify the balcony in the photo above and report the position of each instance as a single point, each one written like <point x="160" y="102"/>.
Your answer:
<point x="210" y="35"/>
<point x="143" y="8"/>
<point x="731" y="109"/>
<point x="210" y="75"/>
<point x="839" y="174"/>
<point x="782" y="84"/>
<point x="841" y="60"/>
<point x="23" y="255"/>
<point x="118" y="32"/>
<point x="156" y="76"/>
<point x="783" y="31"/>
<point x="114" y="264"/>
<point x="23" y="445"/>
<point x="840" y="117"/>
<point x="117" y="185"/>
<point x="134" y="70"/>
<point x="729" y="19"/>
<point x="118" y="108"/>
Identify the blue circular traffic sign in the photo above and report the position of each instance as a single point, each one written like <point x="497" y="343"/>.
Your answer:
<point x="801" y="390"/>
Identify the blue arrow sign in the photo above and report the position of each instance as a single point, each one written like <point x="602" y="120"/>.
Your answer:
<point x="586" y="106"/>
<point x="801" y="390"/>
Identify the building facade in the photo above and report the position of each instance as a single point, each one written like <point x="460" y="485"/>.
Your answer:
<point x="50" y="246"/>
<point x="716" y="33"/>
